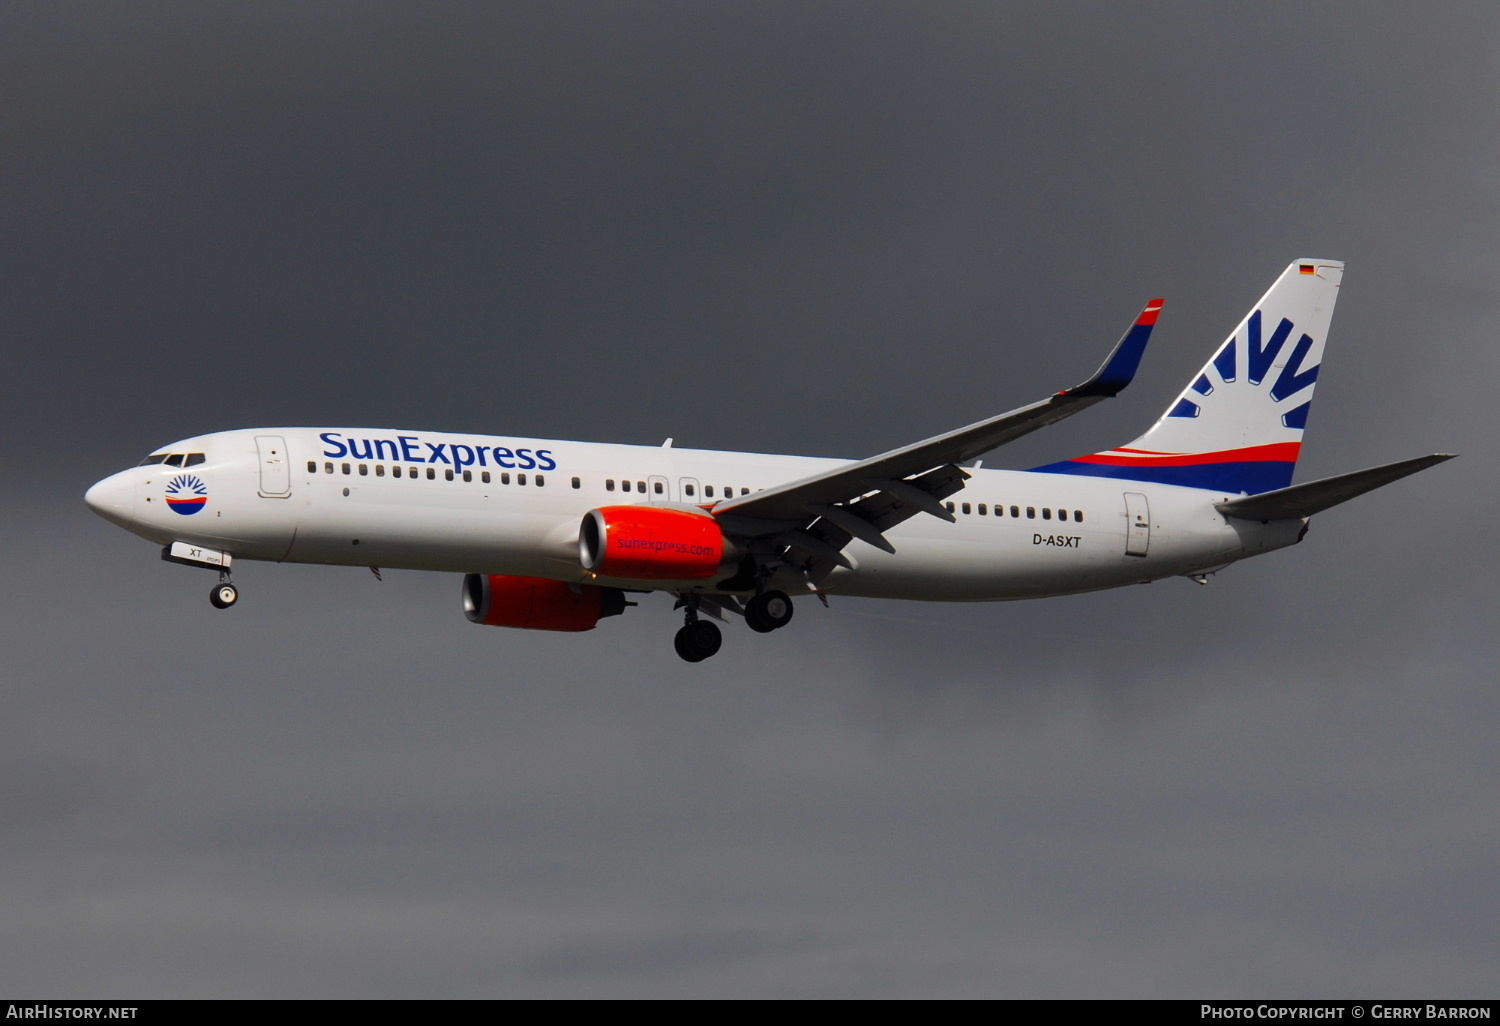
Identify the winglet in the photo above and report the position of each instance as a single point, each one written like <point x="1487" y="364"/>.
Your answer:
<point x="1119" y="369"/>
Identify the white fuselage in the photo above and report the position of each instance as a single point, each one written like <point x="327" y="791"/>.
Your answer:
<point x="333" y="496"/>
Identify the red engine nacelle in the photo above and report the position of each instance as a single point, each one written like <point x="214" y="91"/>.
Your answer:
<point x="537" y="603"/>
<point x="652" y="543"/>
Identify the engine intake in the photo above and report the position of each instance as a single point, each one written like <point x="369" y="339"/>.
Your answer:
<point x="652" y="543"/>
<point x="537" y="603"/>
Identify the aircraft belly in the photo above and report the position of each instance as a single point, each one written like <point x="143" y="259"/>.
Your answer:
<point x="1033" y="559"/>
<point x="956" y="570"/>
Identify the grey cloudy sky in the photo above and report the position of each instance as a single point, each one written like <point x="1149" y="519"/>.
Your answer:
<point x="823" y="228"/>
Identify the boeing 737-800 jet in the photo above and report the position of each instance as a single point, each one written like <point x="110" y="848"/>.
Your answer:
<point x="554" y="535"/>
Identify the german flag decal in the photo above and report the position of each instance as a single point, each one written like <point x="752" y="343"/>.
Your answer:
<point x="1307" y="269"/>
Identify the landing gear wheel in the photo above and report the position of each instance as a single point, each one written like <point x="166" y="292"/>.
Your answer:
<point x="768" y="611"/>
<point x="224" y="595"/>
<point x="698" y="640"/>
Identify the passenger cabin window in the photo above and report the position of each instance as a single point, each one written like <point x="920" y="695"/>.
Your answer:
<point x="983" y="509"/>
<point x="1015" y="511"/>
<point x="395" y="471"/>
<point x="744" y="491"/>
<point x="609" y="484"/>
<point x="1046" y="513"/>
<point x="431" y="474"/>
<point x="448" y="474"/>
<point x="484" y="475"/>
<point x="640" y="486"/>
<point x="346" y="468"/>
<point x="948" y="506"/>
<point x="520" y="479"/>
<point x="657" y="487"/>
<point x="364" y="470"/>
<point x="687" y="488"/>
<point x="540" y="480"/>
<point x="1078" y="516"/>
<point x="468" y="475"/>
<point x="1030" y="512"/>
<point x="312" y="466"/>
<point x="380" y="470"/>
<point x="708" y="491"/>
<point x="154" y="459"/>
<point x="1062" y="514"/>
<point x="195" y="458"/>
<point x="577" y="483"/>
<point x="328" y="468"/>
<point x="965" y="508"/>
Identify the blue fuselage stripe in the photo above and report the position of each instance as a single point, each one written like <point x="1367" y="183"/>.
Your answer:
<point x="1249" y="477"/>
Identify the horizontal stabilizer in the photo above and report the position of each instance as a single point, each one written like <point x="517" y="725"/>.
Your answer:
<point x="1304" y="500"/>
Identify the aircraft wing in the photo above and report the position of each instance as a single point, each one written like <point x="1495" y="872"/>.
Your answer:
<point x="914" y="478"/>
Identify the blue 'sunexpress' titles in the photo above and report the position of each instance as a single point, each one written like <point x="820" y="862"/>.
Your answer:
<point x="411" y="449"/>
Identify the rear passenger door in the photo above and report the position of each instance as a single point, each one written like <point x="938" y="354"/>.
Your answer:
<point x="1137" y="524"/>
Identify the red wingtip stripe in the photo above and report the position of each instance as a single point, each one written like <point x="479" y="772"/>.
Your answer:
<point x="1148" y="316"/>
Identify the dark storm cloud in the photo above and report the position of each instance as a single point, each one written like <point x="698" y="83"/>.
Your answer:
<point x="818" y="228"/>
<point x="419" y="214"/>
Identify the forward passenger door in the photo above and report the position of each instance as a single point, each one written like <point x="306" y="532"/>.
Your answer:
<point x="275" y="467"/>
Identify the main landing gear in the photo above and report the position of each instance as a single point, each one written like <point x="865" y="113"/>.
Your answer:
<point x="699" y="639"/>
<point x="768" y="611"/>
<point x="225" y="594"/>
<point x="696" y="640"/>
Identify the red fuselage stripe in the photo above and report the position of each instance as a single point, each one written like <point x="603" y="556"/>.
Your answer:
<point x="1279" y="452"/>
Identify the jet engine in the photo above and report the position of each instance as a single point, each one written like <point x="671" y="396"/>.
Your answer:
<point x="537" y="603"/>
<point x="652" y="543"/>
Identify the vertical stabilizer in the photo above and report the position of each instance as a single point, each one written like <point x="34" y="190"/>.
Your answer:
<point x="1238" y="425"/>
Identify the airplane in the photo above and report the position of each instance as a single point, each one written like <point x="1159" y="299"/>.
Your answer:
<point x="556" y="535"/>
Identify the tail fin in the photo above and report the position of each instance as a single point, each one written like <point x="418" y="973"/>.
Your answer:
<point x="1238" y="426"/>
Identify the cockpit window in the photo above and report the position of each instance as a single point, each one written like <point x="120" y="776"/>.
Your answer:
<point x="194" y="458"/>
<point x="174" y="460"/>
<point x="153" y="460"/>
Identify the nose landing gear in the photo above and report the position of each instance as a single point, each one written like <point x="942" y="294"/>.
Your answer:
<point x="225" y="594"/>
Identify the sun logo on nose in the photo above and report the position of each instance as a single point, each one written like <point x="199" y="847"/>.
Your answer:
<point x="186" y="494"/>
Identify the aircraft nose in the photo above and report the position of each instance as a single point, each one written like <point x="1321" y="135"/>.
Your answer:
<point x="113" y="498"/>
